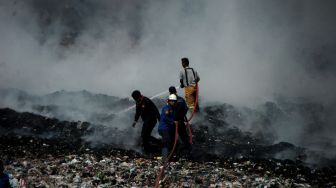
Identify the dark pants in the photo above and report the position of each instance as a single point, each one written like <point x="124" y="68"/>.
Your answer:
<point x="182" y="130"/>
<point x="167" y="142"/>
<point x="147" y="140"/>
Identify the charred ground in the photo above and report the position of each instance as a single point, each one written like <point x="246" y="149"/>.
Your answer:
<point x="28" y="137"/>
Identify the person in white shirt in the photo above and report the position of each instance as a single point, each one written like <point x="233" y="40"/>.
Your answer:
<point x="188" y="79"/>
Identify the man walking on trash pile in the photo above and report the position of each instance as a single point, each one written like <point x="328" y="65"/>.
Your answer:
<point x="188" y="79"/>
<point x="180" y="116"/>
<point x="149" y="115"/>
<point x="167" y="126"/>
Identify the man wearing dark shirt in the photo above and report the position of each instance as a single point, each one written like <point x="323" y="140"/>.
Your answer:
<point x="149" y="115"/>
<point x="179" y="116"/>
<point x="4" y="179"/>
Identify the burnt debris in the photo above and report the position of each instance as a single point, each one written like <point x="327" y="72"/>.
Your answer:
<point x="47" y="152"/>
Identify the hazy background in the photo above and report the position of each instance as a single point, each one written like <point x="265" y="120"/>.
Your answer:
<point x="246" y="52"/>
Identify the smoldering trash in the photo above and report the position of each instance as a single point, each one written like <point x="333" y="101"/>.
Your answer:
<point x="47" y="152"/>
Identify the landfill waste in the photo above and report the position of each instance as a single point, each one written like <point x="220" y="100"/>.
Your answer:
<point x="40" y="151"/>
<point x="119" y="168"/>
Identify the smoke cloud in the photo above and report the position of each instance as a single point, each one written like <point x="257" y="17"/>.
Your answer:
<point x="243" y="51"/>
<point x="246" y="53"/>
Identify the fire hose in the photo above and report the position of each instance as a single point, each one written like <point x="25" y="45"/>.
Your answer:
<point x="166" y="161"/>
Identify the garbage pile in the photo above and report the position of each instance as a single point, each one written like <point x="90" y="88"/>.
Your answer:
<point x="120" y="170"/>
<point x="45" y="152"/>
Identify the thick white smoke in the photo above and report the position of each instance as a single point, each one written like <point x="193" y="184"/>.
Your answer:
<point x="246" y="52"/>
<point x="243" y="51"/>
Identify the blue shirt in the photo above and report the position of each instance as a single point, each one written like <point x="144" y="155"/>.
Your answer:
<point x="166" y="118"/>
<point x="4" y="181"/>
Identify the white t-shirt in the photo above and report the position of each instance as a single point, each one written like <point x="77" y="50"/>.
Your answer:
<point x="189" y="76"/>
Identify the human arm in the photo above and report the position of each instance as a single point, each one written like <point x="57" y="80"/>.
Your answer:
<point x="137" y="115"/>
<point x="181" y="83"/>
<point x="181" y="80"/>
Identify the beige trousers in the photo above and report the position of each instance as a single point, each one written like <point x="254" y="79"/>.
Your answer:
<point x="190" y="96"/>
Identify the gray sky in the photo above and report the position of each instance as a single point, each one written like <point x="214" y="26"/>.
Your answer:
<point x="246" y="52"/>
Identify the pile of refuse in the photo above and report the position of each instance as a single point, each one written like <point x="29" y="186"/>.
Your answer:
<point x="119" y="168"/>
<point x="45" y="152"/>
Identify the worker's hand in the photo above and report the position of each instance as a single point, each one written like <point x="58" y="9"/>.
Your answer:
<point x="134" y="123"/>
<point x="176" y="122"/>
<point x="182" y="86"/>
